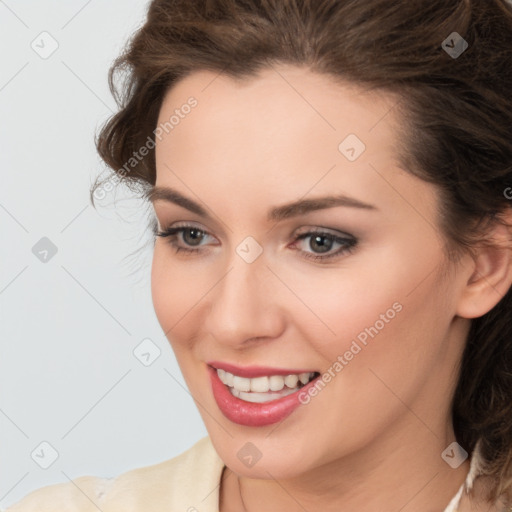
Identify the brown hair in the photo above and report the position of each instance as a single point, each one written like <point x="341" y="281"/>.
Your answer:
<point x="456" y="120"/>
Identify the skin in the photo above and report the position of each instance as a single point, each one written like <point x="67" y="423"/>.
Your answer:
<point x="372" y="438"/>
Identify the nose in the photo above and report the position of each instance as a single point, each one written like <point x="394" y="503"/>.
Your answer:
<point x="244" y="305"/>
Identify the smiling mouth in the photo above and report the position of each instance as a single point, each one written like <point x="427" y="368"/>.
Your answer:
<point x="264" y="388"/>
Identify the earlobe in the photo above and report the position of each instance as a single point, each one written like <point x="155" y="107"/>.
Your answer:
<point x="491" y="275"/>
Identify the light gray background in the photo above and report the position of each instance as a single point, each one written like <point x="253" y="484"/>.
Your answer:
<point x="68" y="327"/>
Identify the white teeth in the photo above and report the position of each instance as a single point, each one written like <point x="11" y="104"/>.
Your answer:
<point x="260" y="398"/>
<point x="263" y="385"/>
<point x="259" y="384"/>
<point x="304" y="377"/>
<point x="291" y="381"/>
<point x="276" y="382"/>
<point x="241" y="383"/>
<point x="229" y="379"/>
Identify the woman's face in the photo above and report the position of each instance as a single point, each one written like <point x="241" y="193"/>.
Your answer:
<point x="376" y="317"/>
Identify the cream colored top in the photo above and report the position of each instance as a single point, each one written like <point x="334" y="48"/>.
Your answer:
<point x="189" y="482"/>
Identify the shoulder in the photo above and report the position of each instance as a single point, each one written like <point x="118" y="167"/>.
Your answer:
<point x="79" y="495"/>
<point x="186" y="482"/>
<point x="190" y="480"/>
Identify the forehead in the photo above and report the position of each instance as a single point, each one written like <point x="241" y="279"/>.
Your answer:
<point x="283" y="91"/>
<point x="285" y="113"/>
<point x="284" y="132"/>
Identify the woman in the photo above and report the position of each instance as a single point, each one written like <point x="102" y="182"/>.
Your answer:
<point x="332" y="262"/>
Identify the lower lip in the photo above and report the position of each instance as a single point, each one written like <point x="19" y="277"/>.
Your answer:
<point x="252" y="414"/>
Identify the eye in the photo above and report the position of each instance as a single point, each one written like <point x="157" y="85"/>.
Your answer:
<point x="322" y="242"/>
<point x="189" y="238"/>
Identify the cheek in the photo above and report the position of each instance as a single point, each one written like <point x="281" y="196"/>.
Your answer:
<point x="173" y="293"/>
<point x="386" y="312"/>
<point x="385" y="301"/>
<point x="162" y="290"/>
<point x="389" y="322"/>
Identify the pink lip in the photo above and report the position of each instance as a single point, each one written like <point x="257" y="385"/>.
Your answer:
<point x="253" y="414"/>
<point x="250" y="372"/>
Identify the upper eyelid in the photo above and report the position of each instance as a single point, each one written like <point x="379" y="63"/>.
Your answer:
<point x="323" y="230"/>
<point x="302" y="229"/>
<point x="181" y="229"/>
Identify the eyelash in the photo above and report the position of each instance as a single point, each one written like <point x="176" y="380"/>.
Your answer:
<point x="349" y="242"/>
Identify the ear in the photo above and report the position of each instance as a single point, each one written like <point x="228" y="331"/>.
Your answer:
<point x="489" y="271"/>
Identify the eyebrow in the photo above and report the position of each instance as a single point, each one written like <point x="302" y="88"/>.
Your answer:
<point x="275" y="214"/>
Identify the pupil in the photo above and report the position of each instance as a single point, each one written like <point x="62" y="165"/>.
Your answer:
<point x="195" y="236"/>
<point x="322" y="246"/>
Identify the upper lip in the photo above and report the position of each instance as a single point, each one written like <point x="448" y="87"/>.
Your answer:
<point x="255" y="371"/>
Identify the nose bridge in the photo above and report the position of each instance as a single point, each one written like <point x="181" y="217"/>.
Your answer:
<point x="242" y="305"/>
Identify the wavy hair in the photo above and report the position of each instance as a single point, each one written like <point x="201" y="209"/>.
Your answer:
<point x="456" y="114"/>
